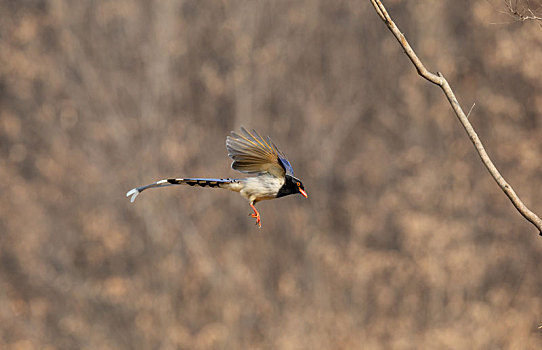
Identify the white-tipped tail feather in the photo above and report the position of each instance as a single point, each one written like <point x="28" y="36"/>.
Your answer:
<point x="134" y="193"/>
<point x="231" y="184"/>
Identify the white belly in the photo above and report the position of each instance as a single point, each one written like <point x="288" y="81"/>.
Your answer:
<point x="261" y="187"/>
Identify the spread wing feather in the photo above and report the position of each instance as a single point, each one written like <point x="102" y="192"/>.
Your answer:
<point x="253" y="154"/>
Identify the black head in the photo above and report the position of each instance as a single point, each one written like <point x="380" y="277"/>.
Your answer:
<point x="292" y="185"/>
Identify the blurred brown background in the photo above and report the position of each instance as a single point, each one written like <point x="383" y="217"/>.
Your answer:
<point x="405" y="241"/>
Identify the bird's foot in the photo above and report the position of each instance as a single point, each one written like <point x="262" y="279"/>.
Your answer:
<point x="257" y="216"/>
<point x="258" y="219"/>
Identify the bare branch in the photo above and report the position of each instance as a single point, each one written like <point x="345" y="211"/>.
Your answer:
<point x="439" y="80"/>
<point x="521" y="11"/>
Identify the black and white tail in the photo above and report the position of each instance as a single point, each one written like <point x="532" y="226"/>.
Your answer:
<point x="213" y="183"/>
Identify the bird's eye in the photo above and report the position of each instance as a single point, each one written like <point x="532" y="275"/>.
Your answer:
<point x="298" y="184"/>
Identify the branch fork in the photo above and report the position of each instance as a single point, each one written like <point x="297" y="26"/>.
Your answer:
<point x="438" y="79"/>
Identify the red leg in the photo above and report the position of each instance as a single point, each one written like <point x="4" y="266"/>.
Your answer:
<point x="256" y="215"/>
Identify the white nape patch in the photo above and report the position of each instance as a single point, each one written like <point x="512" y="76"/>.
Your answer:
<point x="161" y="182"/>
<point x="134" y="193"/>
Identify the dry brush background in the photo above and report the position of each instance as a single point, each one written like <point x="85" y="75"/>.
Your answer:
<point x="405" y="241"/>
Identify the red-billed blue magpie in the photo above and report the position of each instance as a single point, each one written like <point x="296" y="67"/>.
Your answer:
<point x="251" y="154"/>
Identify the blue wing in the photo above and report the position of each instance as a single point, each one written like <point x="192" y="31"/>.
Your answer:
<point x="286" y="165"/>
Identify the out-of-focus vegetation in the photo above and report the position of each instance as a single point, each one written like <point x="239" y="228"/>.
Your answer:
<point x="405" y="241"/>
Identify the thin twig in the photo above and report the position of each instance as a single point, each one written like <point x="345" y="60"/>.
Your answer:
<point x="470" y="110"/>
<point x="439" y="80"/>
<point x="522" y="14"/>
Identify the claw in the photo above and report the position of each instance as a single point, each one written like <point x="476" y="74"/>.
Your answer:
<point x="256" y="215"/>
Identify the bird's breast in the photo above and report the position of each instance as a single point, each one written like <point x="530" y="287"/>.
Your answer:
<point x="261" y="187"/>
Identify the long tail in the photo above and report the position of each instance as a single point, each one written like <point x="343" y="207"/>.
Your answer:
<point x="214" y="183"/>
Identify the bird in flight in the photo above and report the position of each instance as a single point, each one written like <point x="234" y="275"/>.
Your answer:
<point x="251" y="154"/>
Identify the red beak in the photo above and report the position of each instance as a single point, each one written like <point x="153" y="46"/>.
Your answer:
<point x="303" y="193"/>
